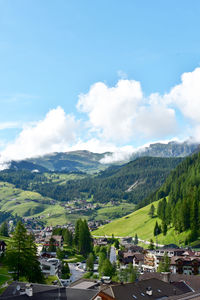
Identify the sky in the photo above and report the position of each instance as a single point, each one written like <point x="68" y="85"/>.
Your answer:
<point x="103" y="75"/>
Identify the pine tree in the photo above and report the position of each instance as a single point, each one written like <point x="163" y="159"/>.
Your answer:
<point x="102" y="257"/>
<point x="76" y="235"/>
<point x="151" y="245"/>
<point x="68" y="237"/>
<point x="15" y="258"/>
<point x="164" y="265"/>
<point x="152" y="211"/>
<point x="107" y="268"/>
<point x="164" y="228"/>
<point x="21" y="256"/>
<point x="82" y="238"/>
<point x="157" y="229"/>
<point x="90" y="262"/>
<point x="32" y="270"/>
<point x="136" y="239"/>
<point x="4" y="229"/>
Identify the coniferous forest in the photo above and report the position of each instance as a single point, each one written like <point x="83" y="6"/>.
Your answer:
<point x="180" y="205"/>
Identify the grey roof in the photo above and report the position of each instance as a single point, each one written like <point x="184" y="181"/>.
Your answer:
<point x="138" y="290"/>
<point x="192" y="280"/>
<point x="47" y="292"/>
<point x="85" y="283"/>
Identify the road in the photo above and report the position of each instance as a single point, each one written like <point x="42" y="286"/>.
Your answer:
<point x="120" y="237"/>
<point x="113" y="257"/>
<point x="76" y="273"/>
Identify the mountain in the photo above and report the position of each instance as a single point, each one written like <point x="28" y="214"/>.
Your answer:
<point x="89" y="162"/>
<point x="74" y="161"/>
<point x="26" y="165"/>
<point x="171" y="149"/>
<point x="131" y="182"/>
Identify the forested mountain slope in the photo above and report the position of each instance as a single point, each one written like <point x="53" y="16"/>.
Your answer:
<point x="74" y="161"/>
<point x="131" y="182"/>
<point x="176" y="210"/>
<point x="183" y="190"/>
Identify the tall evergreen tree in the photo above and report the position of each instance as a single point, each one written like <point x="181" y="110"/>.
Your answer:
<point x="164" y="265"/>
<point x="85" y="240"/>
<point x="90" y="262"/>
<point x="68" y="237"/>
<point x="164" y="228"/>
<point x="21" y="256"/>
<point x="4" y="229"/>
<point x="136" y="239"/>
<point x="152" y="211"/>
<point x="151" y="245"/>
<point x="76" y="235"/>
<point x="157" y="229"/>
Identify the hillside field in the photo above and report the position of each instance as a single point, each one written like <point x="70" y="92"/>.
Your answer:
<point x="140" y="222"/>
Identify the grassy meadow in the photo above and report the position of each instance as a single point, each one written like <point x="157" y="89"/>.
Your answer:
<point x="140" y="222"/>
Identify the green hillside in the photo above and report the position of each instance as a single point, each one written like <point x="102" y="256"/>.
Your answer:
<point x="30" y="204"/>
<point x="140" y="222"/>
<point x="131" y="182"/>
<point x="74" y="161"/>
<point x="178" y="211"/>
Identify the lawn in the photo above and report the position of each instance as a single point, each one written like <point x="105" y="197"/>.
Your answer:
<point x="50" y="279"/>
<point x="4" y="277"/>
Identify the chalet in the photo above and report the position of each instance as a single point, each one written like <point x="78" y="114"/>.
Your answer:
<point x="138" y="260"/>
<point x="126" y="240"/>
<point x="150" y="262"/>
<point x="58" y="241"/>
<point x="170" y="252"/>
<point x="134" y="248"/>
<point x="189" y="265"/>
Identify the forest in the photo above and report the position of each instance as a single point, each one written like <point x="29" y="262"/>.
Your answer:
<point x="132" y="182"/>
<point x="180" y="205"/>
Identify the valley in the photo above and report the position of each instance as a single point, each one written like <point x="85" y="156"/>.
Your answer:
<point x="120" y="192"/>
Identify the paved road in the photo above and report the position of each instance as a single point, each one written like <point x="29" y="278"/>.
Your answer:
<point x="120" y="237"/>
<point x="76" y="273"/>
<point x="113" y="257"/>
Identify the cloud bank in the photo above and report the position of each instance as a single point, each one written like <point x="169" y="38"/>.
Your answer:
<point x="116" y="118"/>
<point x="55" y="133"/>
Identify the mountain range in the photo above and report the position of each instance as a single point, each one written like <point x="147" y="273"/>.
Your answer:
<point x="89" y="162"/>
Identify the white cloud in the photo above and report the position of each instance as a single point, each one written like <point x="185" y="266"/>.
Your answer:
<point x="155" y="121"/>
<point x="186" y="95"/>
<point x="117" y="116"/>
<point x="121" y="113"/>
<point x="55" y="133"/>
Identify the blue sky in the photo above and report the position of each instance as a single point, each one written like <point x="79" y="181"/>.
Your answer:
<point x="53" y="55"/>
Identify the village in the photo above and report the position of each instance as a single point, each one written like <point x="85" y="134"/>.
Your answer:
<point x="178" y="276"/>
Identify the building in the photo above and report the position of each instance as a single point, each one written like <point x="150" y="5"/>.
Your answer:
<point x="50" y="266"/>
<point x="141" y="290"/>
<point x="189" y="265"/>
<point x="22" y="291"/>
